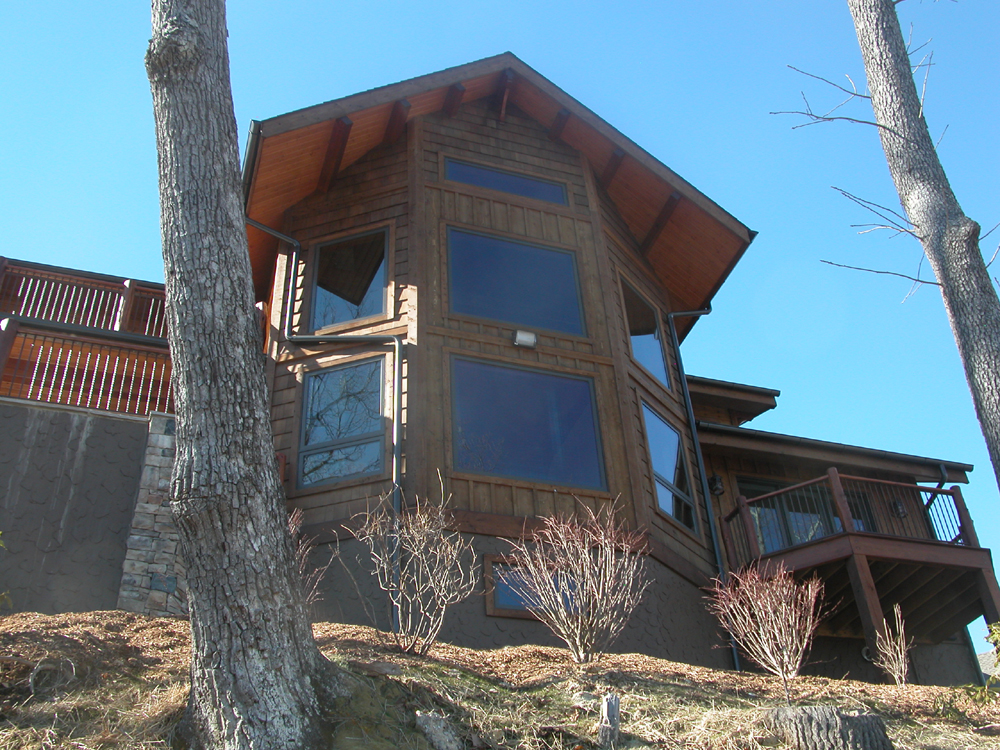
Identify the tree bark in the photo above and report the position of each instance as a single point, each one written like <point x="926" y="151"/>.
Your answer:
<point x="826" y="728"/>
<point x="949" y="238"/>
<point x="257" y="677"/>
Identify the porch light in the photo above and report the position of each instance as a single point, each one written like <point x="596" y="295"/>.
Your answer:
<point x="527" y="339"/>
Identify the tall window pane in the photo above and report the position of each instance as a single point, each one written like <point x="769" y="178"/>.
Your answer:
<point x="527" y="424"/>
<point x="669" y="472"/>
<point x="645" y="333"/>
<point x="513" y="282"/>
<point x="507" y="182"/>
<point x="350" y="279"/>
<point x="342" y="427"/>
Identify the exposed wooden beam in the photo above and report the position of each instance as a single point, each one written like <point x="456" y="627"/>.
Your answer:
<point x="866" y="597"/>
<point x="397" y="121"/>
<point x="661" y="221"/>
<point x="504" y="85"/>
<point x="611" y="168"/>
<point x="334" y="152"/>
<point x="989" y="592"/>
<point x="453" y="99"/>
<point x="559" y="124"/>
<point x="953" y="624"/>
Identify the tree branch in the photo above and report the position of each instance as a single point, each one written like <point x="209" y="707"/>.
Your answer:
<point x="853" y="91"/>
<point x="904" y="225"/>
<point x="887" y="273"/>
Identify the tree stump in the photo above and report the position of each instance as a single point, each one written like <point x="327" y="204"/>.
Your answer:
<point x="826" y="728"/>
<point x="610" y="726"/>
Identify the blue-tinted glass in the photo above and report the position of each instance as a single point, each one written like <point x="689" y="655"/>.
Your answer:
<point x="327" y="465"/>
<point x="668" y="467"/>
<point x="525" y="424"/>
<point x="342" y="402"/>
<point x="350" y="280"/>
<point x="644" y="332"/>
<point x="507" y="182"/>
<point x="508" y="588"/>
<point x="515" y="283"/>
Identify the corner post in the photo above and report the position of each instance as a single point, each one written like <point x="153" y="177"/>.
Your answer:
<point x="8" y="333"/>
<point x="866" y="597"/>
<point x="840" y="500"/>
<point x="748" y="527"/>
<point x="965" y="524"/>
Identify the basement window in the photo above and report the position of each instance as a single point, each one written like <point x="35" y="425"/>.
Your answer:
<point x="343" y="432"/>
<point x="513" y="282"/>
<point x="525" y="424"/>
<point x="645" y="334"/>
<point x="505" y="182"/>
<point x="350" y="279"/>
<point x="670" y="478"/>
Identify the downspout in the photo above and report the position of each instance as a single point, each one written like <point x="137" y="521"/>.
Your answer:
<point x="397" y="372"/>
<point x="697" y="452"/>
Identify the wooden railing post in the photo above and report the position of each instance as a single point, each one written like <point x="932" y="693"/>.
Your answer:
<point x="748" y="527"/>
<point x="727" y="541"/>
<point x="965" y="524"/>
<point x="125" y="306"/>
<point x="840" y="500"/>
<point x="8" y="332"/>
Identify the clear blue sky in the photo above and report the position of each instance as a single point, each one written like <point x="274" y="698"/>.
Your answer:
<point x="692" y="83"/>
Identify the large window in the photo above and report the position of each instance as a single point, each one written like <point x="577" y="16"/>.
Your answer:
<point x="506" y="182"/>
<point x="645" y="333"/>
<point x="513" y="282"/>
<point x="666" y="451"/>
<point x="350" y="279"/>
<point x="342" y="427"/>
<point x="526" y="424"/>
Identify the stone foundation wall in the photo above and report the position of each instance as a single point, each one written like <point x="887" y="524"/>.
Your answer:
<point x="152" y="580"/>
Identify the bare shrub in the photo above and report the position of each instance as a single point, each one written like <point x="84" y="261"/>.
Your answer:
<point x="420" y="564"/>
<point x="311" y="576"/>
<point x="583" y="579"/>
<point x="893" y="649"/>
<point x="772" y="617"/>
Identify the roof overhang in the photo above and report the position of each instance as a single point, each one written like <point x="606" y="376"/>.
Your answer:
<point x="745" y="442"/>
<point x="687" y="239"/>
<point x="748" y="400"/>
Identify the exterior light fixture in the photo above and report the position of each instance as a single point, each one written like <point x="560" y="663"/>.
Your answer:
<point x="527" y="339"/>
<point x="716" y="485"/>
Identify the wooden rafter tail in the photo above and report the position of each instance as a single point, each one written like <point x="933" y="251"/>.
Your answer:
<point x="453" y="99"/>
<point x="397" y="121"/>
<point x="559" y="124"/>
<point x="504" y="85"/>
<point x="334" y="153"/>
<point x="611" y="168"/>
<point x="661" y="222"/>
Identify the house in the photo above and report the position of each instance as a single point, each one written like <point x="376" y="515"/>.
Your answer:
<point x="471" y="272"/>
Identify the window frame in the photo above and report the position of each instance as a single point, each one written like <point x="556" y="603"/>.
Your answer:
<point x="310" y="279"/>
<point x="571" y="252"/>
<point x="493" y="194"/>
<point x="690" y="497"/>
<point x="490" y="583"/>
<point x="313" y="369"/>
<point x="624" y="281"/>
<point x="454" y="355"/>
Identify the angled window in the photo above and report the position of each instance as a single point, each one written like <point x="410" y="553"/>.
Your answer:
<point x="525" y="424"/>
<point x="350" y="279"/>
<point x="666" y="452"/>
<point x="342" y="426"/>
<point x="505" y="182"/>
<point x="514" y="282"/>
<point x="645" y="333"/>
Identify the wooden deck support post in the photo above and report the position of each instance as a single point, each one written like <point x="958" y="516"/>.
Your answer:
<point x="989" y="594"/>
<point x="125" y="308"/>
<point x="748" y="527"/>
<point x="866" y="597"/>
<point x="727" y="541"/>
<point x="840" y="500"/>
<point x="966" y="526"/>
<point x="8" y="332"/>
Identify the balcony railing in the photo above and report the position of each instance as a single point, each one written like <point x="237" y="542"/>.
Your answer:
<point x="30" y="290"/>
<point x="836" y="504"/>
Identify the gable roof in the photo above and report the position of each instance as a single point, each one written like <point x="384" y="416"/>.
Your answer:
<point x="690" y="242"/>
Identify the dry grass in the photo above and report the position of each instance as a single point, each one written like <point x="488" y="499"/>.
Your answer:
<point x="131" y="684"/>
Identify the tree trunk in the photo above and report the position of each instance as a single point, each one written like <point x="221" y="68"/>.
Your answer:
<point x="949" y="238"/>
<point x="257" y="678"/>
<point x="826" y="728"/>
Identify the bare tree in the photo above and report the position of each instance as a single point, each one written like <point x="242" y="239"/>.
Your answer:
<point x="949" y="238"/>
<point x="421" y="565"/>
<point x="772" y="617"/>
<point x="257" y="677"/>
<point x="310" y="575"/>
<point x="582" y="579"/>
<point x="893" y="648"/>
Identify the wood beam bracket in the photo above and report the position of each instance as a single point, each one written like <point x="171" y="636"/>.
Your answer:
<point x="559" y="124"/>
<point x="334" y="153"/>
<point x="661" y="222"/>
<point x="453" y="99"/>
<point x="611" y="168"/>
<point x="397" y="121"/>
<point x="504" y="85"/>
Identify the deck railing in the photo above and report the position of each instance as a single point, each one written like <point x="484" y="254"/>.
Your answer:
<point x="30" y="290"/>
<point x="836" y="504"/>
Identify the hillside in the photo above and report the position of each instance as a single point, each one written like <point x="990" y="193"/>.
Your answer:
<point x="117" y="680"/>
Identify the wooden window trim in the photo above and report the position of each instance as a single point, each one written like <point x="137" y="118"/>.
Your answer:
<point x="692" y="497"/>
<point x="489" y="582"/>
<point x="669" y="386"/>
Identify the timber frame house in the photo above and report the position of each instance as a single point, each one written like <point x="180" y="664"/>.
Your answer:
<point x="470" y="271"/>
